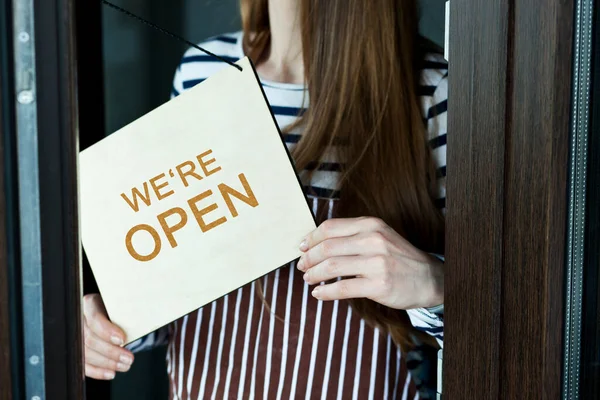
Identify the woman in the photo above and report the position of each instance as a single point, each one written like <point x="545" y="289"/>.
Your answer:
<point x="370" y="151"/>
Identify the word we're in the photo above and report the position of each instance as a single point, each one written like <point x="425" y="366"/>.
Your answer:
<point x="187" y="172"/>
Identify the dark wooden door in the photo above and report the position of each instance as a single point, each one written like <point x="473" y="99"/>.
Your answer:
<point x="508" y="148"/>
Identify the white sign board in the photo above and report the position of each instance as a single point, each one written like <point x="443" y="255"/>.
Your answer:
<point x="190" y="202"/>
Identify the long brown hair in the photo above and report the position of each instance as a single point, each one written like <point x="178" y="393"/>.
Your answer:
<point x="361" y="60"/>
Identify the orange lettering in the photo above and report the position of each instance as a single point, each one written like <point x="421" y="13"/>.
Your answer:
<point x="159" y="195"/>
<point x="133" y="252"/>
<point x="199" y="214"/>
<point x="227" y="192"/>
<point x="204" y="164"/>
<point x="169" y="230"/>
<point x="189" y="172"/>
<point x="135" y="193"/>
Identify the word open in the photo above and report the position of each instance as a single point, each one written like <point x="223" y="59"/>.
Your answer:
<point x="176" y="218"/>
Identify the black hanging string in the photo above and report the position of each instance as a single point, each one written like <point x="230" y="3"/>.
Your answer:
<point x="166" y="32"/>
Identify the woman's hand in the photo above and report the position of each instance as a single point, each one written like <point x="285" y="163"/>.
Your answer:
<point x="104" y="355"/>
<point x="381" y="264"/>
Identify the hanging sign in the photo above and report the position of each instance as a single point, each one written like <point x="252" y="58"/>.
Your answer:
<point x="190" y="202"/>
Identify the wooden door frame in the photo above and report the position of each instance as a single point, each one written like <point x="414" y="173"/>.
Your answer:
<point x="40" y="256"/>
<point x="5" y="337"/>
<point x="58" y="127"/>
<point x="508" y="150"/>
<point x="8" y="377"/>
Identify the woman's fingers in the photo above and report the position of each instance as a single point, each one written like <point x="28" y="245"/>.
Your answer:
<point x="338" y="267"/>
<point x="342" y="227"/>
<point x="99" y="373"/>
<point x="108" y="350"/>
<point x="97" y="320"/>
<point x="354" y="288"/>
<point x="102" y="361"/>
<point x="362" y="244"/>
<point x="103" y="352"/>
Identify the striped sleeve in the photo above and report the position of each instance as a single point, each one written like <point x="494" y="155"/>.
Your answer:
<point x="190" y="72"/>
<point x="436" y="112"/>
<point x="426" y="321"/>
<point x="152" y="340"/>
<point x="177" y="83"/>
<point x="437" y="116"/>
<point x="196" y="66"/>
